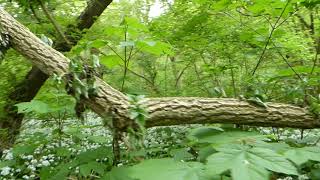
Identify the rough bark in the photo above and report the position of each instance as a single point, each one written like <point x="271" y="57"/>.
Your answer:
<point x="162" y="111"/>
<point x="28" y="88"/>
<point x="173" y="111"/>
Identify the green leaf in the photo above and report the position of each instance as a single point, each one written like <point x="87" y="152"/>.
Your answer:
<point x="98" y="139"/>
<point x="216" y="137"/>
<point x="45" y="173"/>
<point x="135" y="24"/>
<point x="154" y="47"/>
<point x="246" y="162"/>
<point x="7" y="163"/>
<point x="118" y="173"/>
<point x="23" y="149"/>
<point x="221" y="5"/>
<point x="35" y="106"/>
<point x="302" y="155"/>
<point x="111" y="60"/>
<point x="85" y="169"/>
<point x="160" y="169"/>
<point x="181" y="154"/>
<point x="64" y="152"/>
<point x="92" y="155"/>
<point x="98" y="43"/>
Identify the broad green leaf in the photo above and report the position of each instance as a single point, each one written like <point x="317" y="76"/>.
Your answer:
<point x="62" y="171"/>
<point x="272" y="161"/>
<point x="221" y="5"/>
<point x="135" y="23"/>
<point x="203" y="132"/>
<point x="92" y="155"/>
<point x="111" y="60"/>
<point x="181" y="154"/>
<point x="98" y="43"/>
<point x="86" y="169"/>
<point x="23" y="149"/>
<point x="35" y="106"/>
<point x="246" y="162"/>
<point x="154" y="47"/>
<point x="63" y="152"/>
<point x="118" y="173"/>
<point x="159" y="169"/>
<point x="217" y="137"/>
<point x="302" y="155"/>
<point x="7" y="163"/>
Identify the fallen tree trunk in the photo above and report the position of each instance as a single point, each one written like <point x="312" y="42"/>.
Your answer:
<point x="162" y="111"/>
<point x="28" y="88"/>
<point x="173" y="111"/>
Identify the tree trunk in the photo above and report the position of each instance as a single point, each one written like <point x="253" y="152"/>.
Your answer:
<point x="162" y="111"/>
<point x="27" y="89"/>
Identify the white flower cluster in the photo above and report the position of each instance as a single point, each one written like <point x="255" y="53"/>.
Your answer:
<point x="5" y="171"/>
<point x="310" y="136"/>
<point x="7" y="154"/>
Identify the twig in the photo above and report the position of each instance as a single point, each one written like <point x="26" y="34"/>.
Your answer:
<point x="269" y="38"/>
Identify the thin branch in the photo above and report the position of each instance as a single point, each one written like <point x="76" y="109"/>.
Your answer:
<point x="303" y="21"/>
<point x="114" y="52"/>
<point x="269" y="38"/>
<point x="53" y="22"/>
<point x="315" y="60"/>
<point x="181" y="73"/>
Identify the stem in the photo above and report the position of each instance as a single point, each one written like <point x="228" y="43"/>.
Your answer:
<point x="269" y="38"/>
<point x="115" y="143"/>
<point x="35" y="14"/>
<point x="315" y="60"/>
<point x="53" y="22"/>
<point x="126" y="61"/>
<point x="180" y="74"/>
<point x="233" y="81"/>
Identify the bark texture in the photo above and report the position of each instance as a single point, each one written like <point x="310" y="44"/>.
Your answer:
<point x="162" y="111"/>
<point x="173" y="111"/>
<point x="27" y="89"/>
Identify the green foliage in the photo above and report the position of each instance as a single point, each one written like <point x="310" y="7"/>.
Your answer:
<point x="193" y="48"/>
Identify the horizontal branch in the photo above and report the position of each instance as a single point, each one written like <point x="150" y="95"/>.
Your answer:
<point x="162" y="111"/>
<point x="196" y="110"/>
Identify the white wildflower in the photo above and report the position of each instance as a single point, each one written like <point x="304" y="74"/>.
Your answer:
<point x="31" y="167"/>
<point x="8" y="156"/>
<point x="45" y="163"/>
<point x="5" y="171"/>
<point x="29" y="157"/>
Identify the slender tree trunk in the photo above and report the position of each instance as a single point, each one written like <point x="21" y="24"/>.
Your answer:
<point x="53" y="22"/>
<point x="162" y="111"/>
<point x="27" y="89"/>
